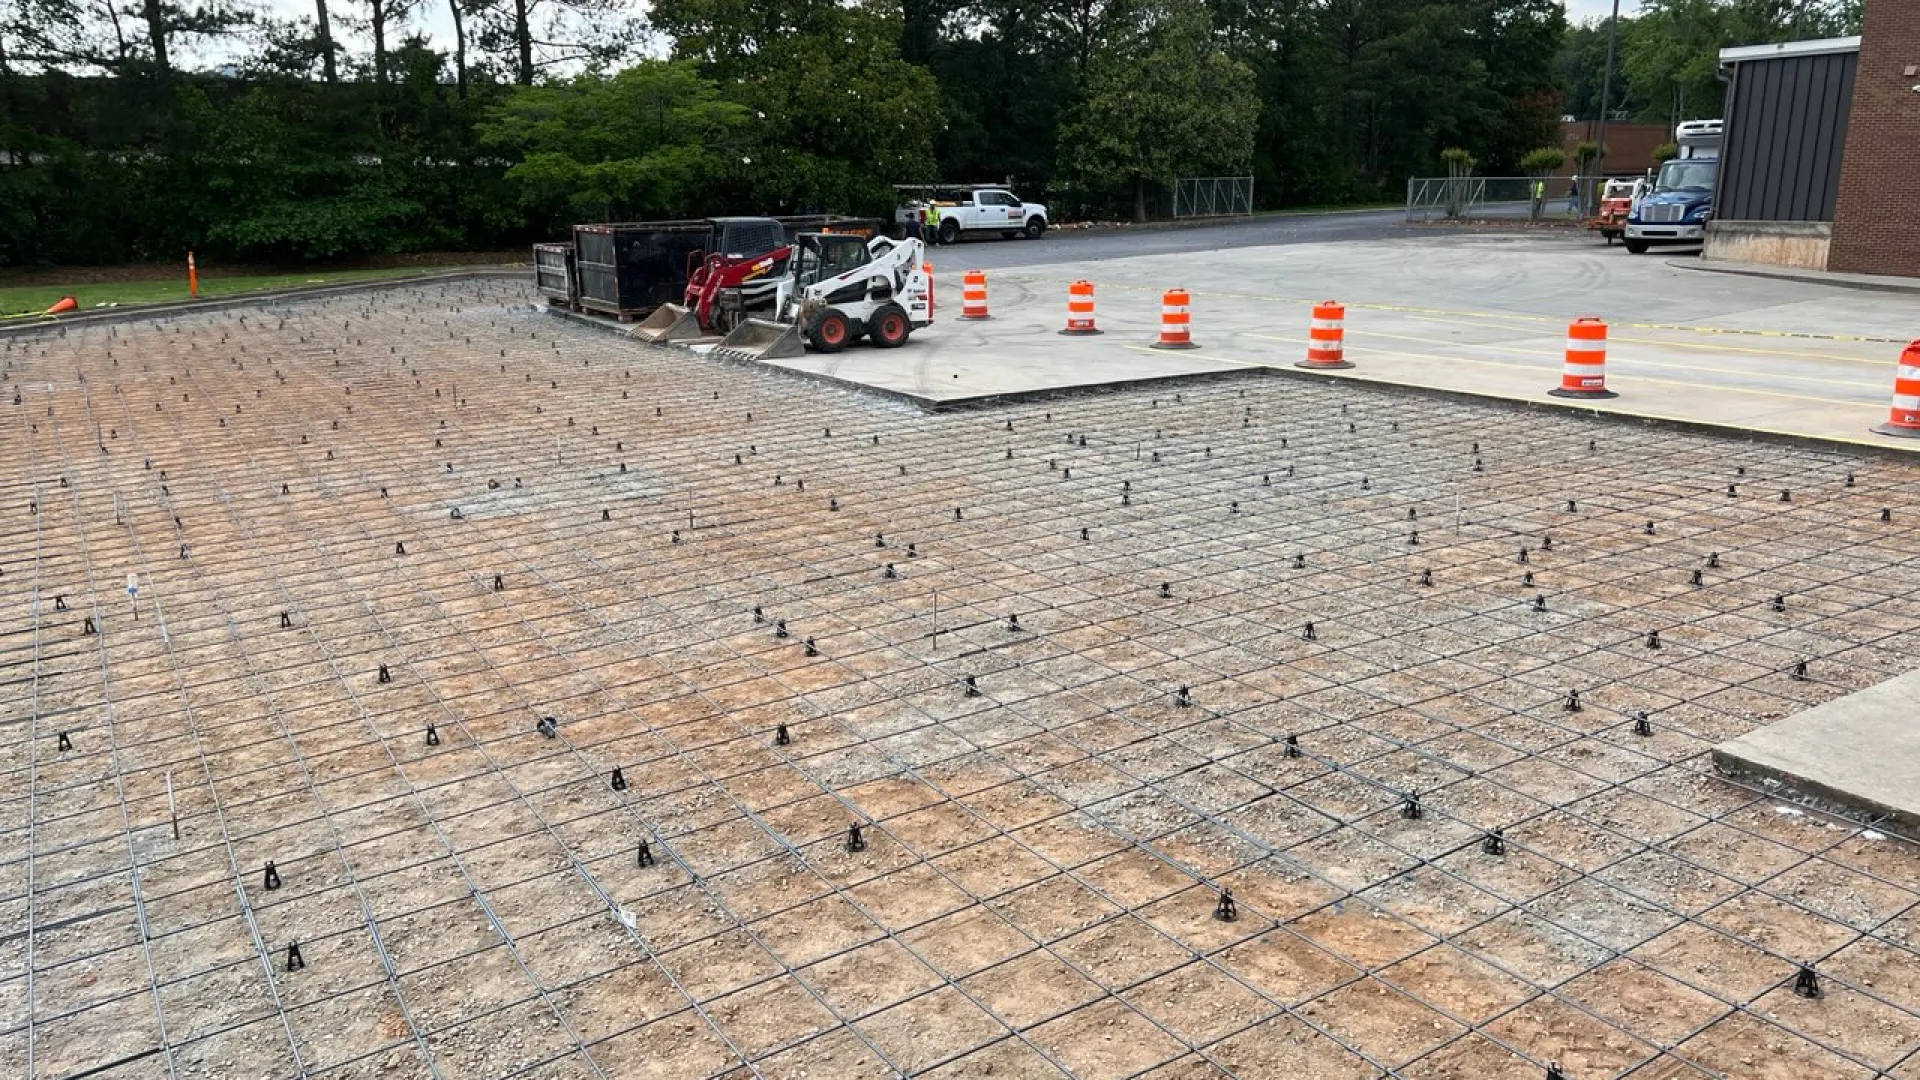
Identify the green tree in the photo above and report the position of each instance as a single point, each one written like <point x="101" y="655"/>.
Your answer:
<point x="1539" y="164"/>
<point x="1517" y="41"/>
<point x="529" y="36"/>
<point x="1670" y="54"/>
<point x="1460" y="165"/>
<point x="653" y="141"/>
<point x="1164" y="102"/>
<point x="838" y="114"/>
<point x="278" y="188"/>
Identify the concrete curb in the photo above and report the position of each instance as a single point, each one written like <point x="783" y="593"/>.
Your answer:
<point x="1862" y="282"/>
<point x="918" y="401"/>
<point x="141" y="311"/>
<point x="1890" y="451"/>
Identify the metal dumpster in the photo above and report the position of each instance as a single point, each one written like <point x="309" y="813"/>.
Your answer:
<point x="553" y="274"/>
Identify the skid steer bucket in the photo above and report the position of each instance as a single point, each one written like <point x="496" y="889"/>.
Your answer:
<point x="758" y="339"/>
<point x="668" y="324"/>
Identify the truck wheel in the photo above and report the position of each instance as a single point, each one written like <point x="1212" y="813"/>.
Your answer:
<point x="949" y="231"/>
<point x="1036" y="225"/>
<point x="1637" y="247"/>
<point x="830" y="331"/>
<point x="888" y="329"/>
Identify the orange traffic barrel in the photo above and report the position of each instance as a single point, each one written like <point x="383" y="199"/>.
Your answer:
<point x="927" y="269"/>
<point x="1585" y="373"/>
<point x="973" y="296"/>
<point x="1175" y="324"/>
<point x="1905" y="419"/>
<point x="1327" y="337"/>
<point x="62" y="305"/>
<point x="1080" y="309"/>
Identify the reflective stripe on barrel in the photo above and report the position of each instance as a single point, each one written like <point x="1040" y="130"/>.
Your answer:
<point x="973" y="295"/>
<point x="1906" y="391"/>
<point x="1080" y="308"/>
<point x="1585" y="370"/>
<point x="1175" y="328"/>
<point x="1326" y="334"/>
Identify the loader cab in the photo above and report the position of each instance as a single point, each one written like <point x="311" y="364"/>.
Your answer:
<point x="744" y="237"/>
<point x="827" y="255"/>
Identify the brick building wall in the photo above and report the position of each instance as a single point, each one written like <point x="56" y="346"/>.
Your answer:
<point x="1630" y="146"/>
<point x="1876" y="222"/>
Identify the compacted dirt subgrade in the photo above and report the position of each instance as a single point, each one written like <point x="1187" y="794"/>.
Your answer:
<point x="1075" y="669"/>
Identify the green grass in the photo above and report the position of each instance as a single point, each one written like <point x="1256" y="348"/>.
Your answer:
<point x="21" y="299"/>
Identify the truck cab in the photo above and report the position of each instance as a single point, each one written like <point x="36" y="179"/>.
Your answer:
<point x="974" y="210"/>
<point x="1678" y="207"/>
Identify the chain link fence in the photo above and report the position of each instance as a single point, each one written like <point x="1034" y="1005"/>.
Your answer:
<point x="1502" y="198"/>
<point x="1213" y="196"/>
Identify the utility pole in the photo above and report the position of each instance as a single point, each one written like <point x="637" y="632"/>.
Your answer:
<point x="1606" y="91"/>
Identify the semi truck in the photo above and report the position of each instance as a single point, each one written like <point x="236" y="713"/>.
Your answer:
<point x="1678" y="208"/>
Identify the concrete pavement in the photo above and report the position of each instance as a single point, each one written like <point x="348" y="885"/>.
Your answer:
<point x="1860" y="752"/>
<point x="1468" y="313"/>
<point x="1123" y="242"/>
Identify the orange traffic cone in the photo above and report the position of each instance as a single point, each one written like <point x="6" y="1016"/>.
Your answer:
<point x="1905" y="421"/>
<point x="64" y="304"/>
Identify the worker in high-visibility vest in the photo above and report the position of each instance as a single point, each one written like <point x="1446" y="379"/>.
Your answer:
<point x="933" y="222"/>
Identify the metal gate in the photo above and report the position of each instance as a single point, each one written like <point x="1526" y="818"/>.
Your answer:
<point x="1213" y="196"/>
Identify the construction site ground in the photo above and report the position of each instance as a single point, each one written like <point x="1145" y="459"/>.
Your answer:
<point x="1077" y="668"/>
<point x="1473" y="313"/>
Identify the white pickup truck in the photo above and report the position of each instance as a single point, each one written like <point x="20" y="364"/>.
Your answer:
<point x="975" y="211"/>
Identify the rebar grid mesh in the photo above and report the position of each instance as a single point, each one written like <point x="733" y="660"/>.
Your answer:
<point x="1043" y="858"/>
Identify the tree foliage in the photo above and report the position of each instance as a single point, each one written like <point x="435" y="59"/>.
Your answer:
<point x="654" y="141"/>
<point x="1543" y="161"/>
<point x="136" y="129"/>
<point x="1166" y="101"/>
<point x="1668" y="54"/>
<point x="838" y="113"/>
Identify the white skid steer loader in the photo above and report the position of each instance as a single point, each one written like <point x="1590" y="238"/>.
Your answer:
<point x="839" y="289"/>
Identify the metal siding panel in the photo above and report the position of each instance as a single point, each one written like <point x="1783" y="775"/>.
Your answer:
<point x="1786" y="132"/>
<point x="1731" y="198"/>
<point x="1730" y="194"/>
<point x="1773" y="106"/>
<point x="1743" y="150"/>
<point x="1791" y="122"/>
<point x="1812" y="141"/>
<point x="1820" y="145"/>
<point x="1786" y="119"/>
<point x="1725" y="189"/>
<point x="1806" y="157"/>
<point x="1779" y="104"/>
<point x="1849" y="67"/>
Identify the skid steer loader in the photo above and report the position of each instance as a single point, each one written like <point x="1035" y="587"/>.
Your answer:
<point x="745" y="257"/>
<point x="839" y="288"/>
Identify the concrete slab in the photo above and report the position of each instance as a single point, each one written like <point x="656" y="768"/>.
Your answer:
<point x="1860" y="752"/>
<point x="1474" y="314"/>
